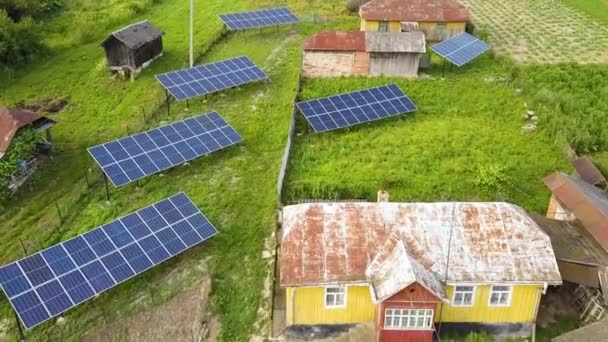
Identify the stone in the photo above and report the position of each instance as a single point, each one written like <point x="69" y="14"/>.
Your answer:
<point x="529" y="128"/>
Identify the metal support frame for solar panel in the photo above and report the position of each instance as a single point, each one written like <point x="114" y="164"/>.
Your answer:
<point x="349" y="109"/>
<point x="210" y="78"/>
<point x="258" y="18"/>
<point x="50" y="282"/>
<point x="134" y="157"/>
<point x="460" y="49"/>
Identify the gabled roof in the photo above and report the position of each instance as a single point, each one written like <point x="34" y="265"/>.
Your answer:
<point x="11" y="120"/>
<point x="368" y="41"/>
<point x="588" y="203"/>
<point x="571" y="242"/>
<point x="594" y="332"/>
<point x="394" y="269"/>
<point x="136" y="35"/>
<point x="587" y="171"/>
<point x="328" y="243"/>
<point x="414" y="10"/>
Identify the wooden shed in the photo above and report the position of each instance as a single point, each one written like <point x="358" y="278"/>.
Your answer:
<point x="348" y="53"/>
<point x="132" y="48"/>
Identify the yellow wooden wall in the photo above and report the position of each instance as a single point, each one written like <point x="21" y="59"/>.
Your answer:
<point x="522" y="308"/>
<point x="429" y="28"/>
<point x="373" y="25"/>
<point x="310" y="306"/>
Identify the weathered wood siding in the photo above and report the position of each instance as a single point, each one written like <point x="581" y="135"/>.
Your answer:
<point x="147" y="52"/>
<point x="394" y="64"/>
<point x="374" y="25"/>
<point x="432" y="30"/>
<point x="334" y="64"/>
<point x="309" y="304"/>
<point x="522" y="308"/>
<point x="579" y="274"/>
<point x="117" y="54"/>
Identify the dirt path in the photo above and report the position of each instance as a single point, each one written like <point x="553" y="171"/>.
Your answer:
<point x="183" y="318"/>
<point x="540" y="31"/>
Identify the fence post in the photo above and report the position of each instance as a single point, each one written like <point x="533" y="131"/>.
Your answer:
<point x="59" y="212"/>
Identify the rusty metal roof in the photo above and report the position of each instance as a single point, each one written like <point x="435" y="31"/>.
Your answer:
<point x="395" y="42"/>
<point x="326" y="243"/>
<point x="336" y="41"/>
<point x="594" y="332"/>
<point x="588" y="203"/>
<point x="136" y="35"/>
<point x="587" y="171"/>
<point x="11" y="120"/>
<point x="571" y="242"/>
<point x="414" y="10"/>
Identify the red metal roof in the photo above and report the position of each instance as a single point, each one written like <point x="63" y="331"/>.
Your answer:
<point x="326" y="243"/>
<point x="11" y="120"/>
<point x="587" y="171"/>
<point x="415" y="10"/>
<point x="336" y="41"/>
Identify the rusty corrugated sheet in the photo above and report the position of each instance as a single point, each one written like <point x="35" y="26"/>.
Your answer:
<point x="414" y="11"/>
<point x="587" y="171"/>
<point x="136" y="35"/>
<point x="336" y="41"/>
<point x="588" y="203"/>
<point x="571" y="242"/>
<point x="491" y="242"/>
<point x="395" y="42"/>
<point x="11" y="120"/>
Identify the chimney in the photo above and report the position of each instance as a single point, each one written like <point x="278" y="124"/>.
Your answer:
<point x="382" y="196"/>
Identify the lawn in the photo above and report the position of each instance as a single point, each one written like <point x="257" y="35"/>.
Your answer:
<point x="462" y="144"/>
<point x="597" y="9"/>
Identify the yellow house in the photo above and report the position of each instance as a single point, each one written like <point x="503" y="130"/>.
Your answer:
<point x="412" y="267"/>
<point x="438" y="19"/>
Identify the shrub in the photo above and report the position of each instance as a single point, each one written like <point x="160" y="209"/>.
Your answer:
<point x="22" y="147"/>
<point x="353" y="5"/>
<point x="19" y="42"/>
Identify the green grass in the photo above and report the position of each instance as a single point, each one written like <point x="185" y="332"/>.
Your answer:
<point x="597" y="9"/>
<point x="464" y="143"/>
<point x="560" y="326"/>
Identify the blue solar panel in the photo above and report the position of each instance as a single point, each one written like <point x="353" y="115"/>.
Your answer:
<point x="39" y="289"/>
<point x="357" y="107"/>
<point x="210" y="78"/>
<point x="461" y="48"/>
<point x="259" y="18"/>
<point x="131" y="158"/>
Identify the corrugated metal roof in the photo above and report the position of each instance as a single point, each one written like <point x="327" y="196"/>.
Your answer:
<point x="327" y="243"/>
<point x="415" y="10"/>
<point x="394" y="269"/>
<point x="136" y="35"/>
<point x="571" y="242"/>
<point x="594" y="332"/>
<point x="587" y="171"/>
<point x="336" y="41"/>
<point x="11" y="120"/>
<point x="395" y="42"/>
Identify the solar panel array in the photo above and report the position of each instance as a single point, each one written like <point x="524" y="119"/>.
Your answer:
<point x="461" y="48"/>
<point x="259" y="18"/>
<point x="50" y="282"/>
<point x="134" y="157"/>
<point x="357" y="107"/>
<point x="210" y="78"/>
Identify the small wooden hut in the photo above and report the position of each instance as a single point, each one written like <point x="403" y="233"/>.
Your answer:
<point x="132" y="48"/>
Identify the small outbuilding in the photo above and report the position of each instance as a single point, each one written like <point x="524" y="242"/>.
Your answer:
<point x="132" y="48"/>
<point x="359" y="53"/>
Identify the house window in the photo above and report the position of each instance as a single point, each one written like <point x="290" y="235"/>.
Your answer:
<point x="383" y="26"/>
<point x="395" y="319"/>
<point x="442" y="31"/>
<point x="463" y="295"/>
<point x="500" y="295"/>
<point x="335" y="297"/>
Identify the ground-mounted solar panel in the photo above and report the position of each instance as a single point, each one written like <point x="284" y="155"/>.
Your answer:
<point x="349" y="109"/>
<point x="134" y="157"/>
<point x="460" y="49"/>
<point x="48" y="283"/>
<point x="210" y="78"/>
<point x="259" y="18"/>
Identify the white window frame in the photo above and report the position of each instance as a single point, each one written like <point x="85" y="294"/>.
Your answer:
<point x="509" y="293"/>
<point x="473" y="292"/>
<point x="384" y="24"/>
<point x="344" y="288"/>
<point x="408" y="314"/>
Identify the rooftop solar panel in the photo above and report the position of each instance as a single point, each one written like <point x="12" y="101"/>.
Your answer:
<point x="137" y="156"/>
<point x="259" y="18"/>
<point x="357" y="107"/>
<point x="48" y="283"/>
<point x="461" y="48"/>
<point x="210" y="78"/>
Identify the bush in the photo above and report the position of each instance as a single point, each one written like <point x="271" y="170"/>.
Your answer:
<point x="353" y="5"/>
<point x="22" y="147"/>
<point x="19" y="42"/>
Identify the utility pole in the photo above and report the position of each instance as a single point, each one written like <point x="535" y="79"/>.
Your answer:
<point x="191" y="33"/>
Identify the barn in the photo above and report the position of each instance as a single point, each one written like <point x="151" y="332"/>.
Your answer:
<point x="359" y="53"/>
<point x="132" y="48"/>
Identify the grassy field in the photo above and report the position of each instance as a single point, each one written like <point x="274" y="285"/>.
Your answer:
<point x="541" y="31"/>
<point x="597" y="9"/>
<point x="462" y="144"/>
